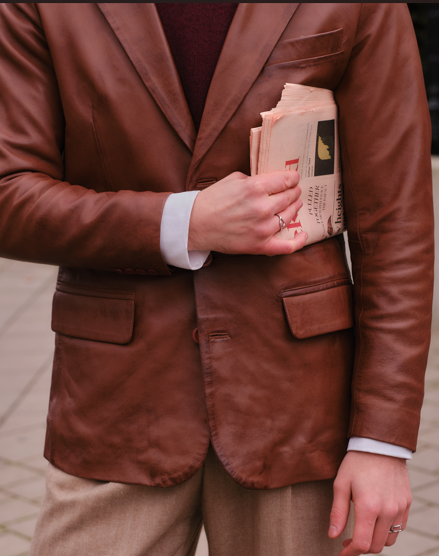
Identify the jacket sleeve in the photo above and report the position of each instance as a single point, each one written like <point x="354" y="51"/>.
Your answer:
<point x="44" y="219"/>
<point x="385" y="147"/>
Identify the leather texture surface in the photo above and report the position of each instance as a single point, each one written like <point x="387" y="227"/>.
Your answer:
<point x="95" y="133"/>
<point x="93" y="315"/>
<point x="319" y="309"/>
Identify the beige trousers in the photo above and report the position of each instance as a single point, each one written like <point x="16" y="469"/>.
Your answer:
<point x="82" y="516"/>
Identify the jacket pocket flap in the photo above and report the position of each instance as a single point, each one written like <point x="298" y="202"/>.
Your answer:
<point x="99" y="316"/>
<point x="319" y="312"/>
<point x="302" y="48"/>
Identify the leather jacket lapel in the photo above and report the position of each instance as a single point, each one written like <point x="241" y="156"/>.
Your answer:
<point x="253" y="34"/>
<point x="139" y="30"/>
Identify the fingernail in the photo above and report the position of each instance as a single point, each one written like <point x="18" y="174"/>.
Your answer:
<point x="332" y="530"/>
<point x="300" y="204"/>
<point x="307" y="240"/>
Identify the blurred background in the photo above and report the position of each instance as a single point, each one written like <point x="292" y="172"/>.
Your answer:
<point x="26" y="350"/>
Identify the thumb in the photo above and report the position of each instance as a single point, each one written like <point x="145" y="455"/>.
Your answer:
<point x="340" y="508"/>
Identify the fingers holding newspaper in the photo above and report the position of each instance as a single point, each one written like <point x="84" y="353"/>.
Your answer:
<point x="238" y="215"/>
<point x="298" y="139"/>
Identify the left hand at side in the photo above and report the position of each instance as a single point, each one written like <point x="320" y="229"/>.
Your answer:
<point x="379" y="488"/>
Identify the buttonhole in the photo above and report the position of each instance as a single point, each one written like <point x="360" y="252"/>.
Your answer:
<point x="219" y="336"/>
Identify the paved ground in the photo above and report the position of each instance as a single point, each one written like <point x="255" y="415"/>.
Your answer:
<point x="26" y="347"/>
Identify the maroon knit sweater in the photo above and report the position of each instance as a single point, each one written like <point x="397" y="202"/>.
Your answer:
<point x="196" y="34"/>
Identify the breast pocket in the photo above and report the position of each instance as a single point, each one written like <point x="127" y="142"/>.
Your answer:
<point x="102" y="316"/>
<point x="308" y="50"/>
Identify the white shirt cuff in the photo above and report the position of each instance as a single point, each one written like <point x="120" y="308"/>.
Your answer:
<point x="376" y="447"/>
<point x="174" y="231"/>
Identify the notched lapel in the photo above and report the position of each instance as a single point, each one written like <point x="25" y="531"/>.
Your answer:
<point x="253" y="34"/>
<point x="139" y="30"/>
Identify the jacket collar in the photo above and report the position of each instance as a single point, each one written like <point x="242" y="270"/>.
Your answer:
<point x="254" y="32"/>
<point x="139" y="30"/>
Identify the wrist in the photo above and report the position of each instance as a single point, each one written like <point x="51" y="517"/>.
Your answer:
<point x="196" y="240"/>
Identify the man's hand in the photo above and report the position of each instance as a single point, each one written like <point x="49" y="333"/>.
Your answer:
<point x="380" y="490"/>
<point x="237" y="215"/>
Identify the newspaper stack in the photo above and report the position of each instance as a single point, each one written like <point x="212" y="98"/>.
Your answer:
<point x="301" y="134"/>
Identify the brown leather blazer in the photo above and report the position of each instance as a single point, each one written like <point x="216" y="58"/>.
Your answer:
<point x="95" y="134"/>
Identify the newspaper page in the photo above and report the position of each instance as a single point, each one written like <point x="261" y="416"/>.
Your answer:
<point x="301" y="134"/>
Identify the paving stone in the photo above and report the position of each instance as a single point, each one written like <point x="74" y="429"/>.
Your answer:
<point x="410" y="544"/>
<point x="417" y="506"/>
<point x="203" y="547"/>
<point x="23" y="445"/>
<point x="33" y="489"/>
<point x="11" y="545"/>
<point x="419" y="479"/>
<point x="26" y="527"/>
<point x="26" y="428"/>
<point x="430" y="412"/>
<point x="426" y="459"/>
<point x="39" y="463"/>
<point x="429" y="493"/>
<point x="426" y="521"/>
<point x="11" y="475"/>
<point x="431" y="436"/>
<point x="14" y="510"/>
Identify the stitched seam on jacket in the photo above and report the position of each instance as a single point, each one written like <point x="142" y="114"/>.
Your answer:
<point x="321" y="56"/>
<point x="321" y="286"/>
<point x="357" y="379"/>
<point x="98" y="145"/>
<point x="305" y="62"/>
<point x="98" y="294"/>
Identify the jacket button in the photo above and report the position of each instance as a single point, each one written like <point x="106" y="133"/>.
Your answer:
<point x="130" y="271"/>
<point x="195" y="336"/>
<point x="141" y="271"/>
<point x="152" y="272"/>
<point x="209" y="260"/>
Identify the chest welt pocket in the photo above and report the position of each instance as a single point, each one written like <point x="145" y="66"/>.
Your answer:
<point x="103" y="316"/>
<point x="319" y="309"/>
<point x="309" y="49"/>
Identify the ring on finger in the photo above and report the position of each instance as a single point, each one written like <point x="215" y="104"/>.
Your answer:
<point x="282" y="223"/>
<point x="396" y="528"/>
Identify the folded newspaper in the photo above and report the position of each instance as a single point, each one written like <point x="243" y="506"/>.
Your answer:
<point x="301" y="134"/>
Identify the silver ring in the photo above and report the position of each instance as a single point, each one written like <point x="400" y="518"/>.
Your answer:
<point x="396" y="528"/>
<point x="282" y="224"/>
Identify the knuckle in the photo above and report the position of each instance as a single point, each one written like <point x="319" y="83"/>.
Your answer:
<point x="265" y="211"/>
<point x="361" y="546"/>
<point x="288" y="250"/>
<point x="285" y="199"/>
<point x="372" y="509"/>
<point x="336" y="513"/>
<point x="402" y="508"/>
<point x="375" y="549"/>
<point x="261" y="181"/>
<point x="248" y="189"/>
<point x="259" y="233"/>
<point x="295" y="193"/>
<point x="390" y="510"/>
<point x="264" y="231"/>
<point x="237" y="175"/>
